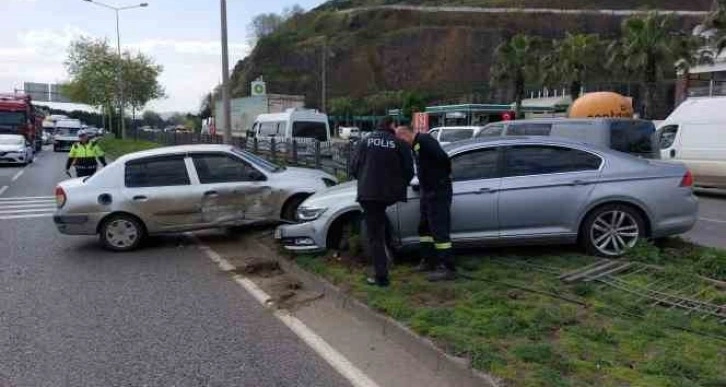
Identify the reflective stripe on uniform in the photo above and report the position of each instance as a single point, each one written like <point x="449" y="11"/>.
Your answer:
<point x="442" y="246"/>
<point x="426" y="239"/>
<point x="417" y="147"/>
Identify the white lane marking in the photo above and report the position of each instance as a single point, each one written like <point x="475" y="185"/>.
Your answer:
<point x="47" y="215"/>
<point x="3" y="189"/>
<point x="713" y="220"/>
<point x="27" y="198"/>
<point x="336" y="360"/>
<point x="46" y="209"/>
<point x="17" y="175"/>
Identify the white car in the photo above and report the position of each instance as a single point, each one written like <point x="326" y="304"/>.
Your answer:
<point x="14" y="148"/>
<point x="181" y="188"/>
<point x="448" y="134"/>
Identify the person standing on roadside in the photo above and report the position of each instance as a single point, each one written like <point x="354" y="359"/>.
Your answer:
<point x="434" y="175"/>
<point x="83" y="156"/>
<point x="383" y="166"/>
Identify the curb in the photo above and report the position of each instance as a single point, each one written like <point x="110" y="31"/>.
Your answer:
<point x="452" y="368"/>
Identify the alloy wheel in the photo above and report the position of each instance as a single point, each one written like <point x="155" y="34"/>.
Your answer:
<point x="614" y="232"/>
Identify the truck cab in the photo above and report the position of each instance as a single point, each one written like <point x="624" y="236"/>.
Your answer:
<point x="66" y="134"/>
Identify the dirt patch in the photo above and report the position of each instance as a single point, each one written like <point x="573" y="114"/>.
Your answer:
<point x="261" y="267"/>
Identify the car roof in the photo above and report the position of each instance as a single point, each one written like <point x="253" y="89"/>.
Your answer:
<point x="478" y="142"/>
<point x="457" y="127"/>
<point x="177" y="149"/>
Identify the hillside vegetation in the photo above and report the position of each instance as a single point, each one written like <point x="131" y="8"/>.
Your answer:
<point x="445" y="55"/>
<point x="692" y="5"/>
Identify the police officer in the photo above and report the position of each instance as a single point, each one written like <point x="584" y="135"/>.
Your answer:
<point x="434" y="175"/>
<point x="383" y="166"/>
<point x="83" y="156"/>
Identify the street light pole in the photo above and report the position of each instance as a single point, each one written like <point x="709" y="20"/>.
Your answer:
<point x="226" y="104"/>
<point x="122" y="122"/>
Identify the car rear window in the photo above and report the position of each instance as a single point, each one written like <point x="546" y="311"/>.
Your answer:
<point x="529" y="129"/>
<point x="634" y="137"/>
<point x="310" y="129"/>
<point x="451" y="135"/>
<point x="156" y="172"/>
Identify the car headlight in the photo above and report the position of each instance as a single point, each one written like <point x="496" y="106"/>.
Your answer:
<point x="307" y="214"/>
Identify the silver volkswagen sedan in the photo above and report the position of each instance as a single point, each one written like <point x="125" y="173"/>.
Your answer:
<point x="515" y="191"/>
<point x="181" y="188"/>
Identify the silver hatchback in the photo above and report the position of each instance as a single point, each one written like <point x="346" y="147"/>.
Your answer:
<point x="182" y="188"/>
<point x="526" y="191"/>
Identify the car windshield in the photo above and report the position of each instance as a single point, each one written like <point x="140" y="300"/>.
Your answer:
<point x="258" y="161"/>
<point x="12" y="118"/>
<point x="451" y="135"/>
<point x="633" y="136"/>
<point x="67" y="131"/>
<point x="12" y="140"/>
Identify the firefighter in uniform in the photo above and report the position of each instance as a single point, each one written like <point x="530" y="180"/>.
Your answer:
<point x="434" y="174"/>
<point x="83" y="156"/>
<point x="383" y="166"/>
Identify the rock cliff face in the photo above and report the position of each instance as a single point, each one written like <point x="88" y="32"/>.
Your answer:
<point x="446" y="52"/>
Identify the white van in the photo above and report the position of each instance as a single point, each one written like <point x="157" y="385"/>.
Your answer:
<point x="695" y="134"/>
<point x="293" y="123"/>
<point x="348" y="132"/>
<point x="66" y="134"/>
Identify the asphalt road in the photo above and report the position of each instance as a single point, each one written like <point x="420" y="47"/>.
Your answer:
<point x="72" y="314"/>
<point x="711" y="227"/>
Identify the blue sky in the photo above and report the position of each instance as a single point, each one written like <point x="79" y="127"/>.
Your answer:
<point x="181" y="35"/>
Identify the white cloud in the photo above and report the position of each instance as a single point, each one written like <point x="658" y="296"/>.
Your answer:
<point x="191" y="67"/>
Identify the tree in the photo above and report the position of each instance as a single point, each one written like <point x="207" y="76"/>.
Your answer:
<point x="516" y="63"/>
<point x="206" y="109"/>
<point x="648" y="49"/>
<point x="152" y="118"/>
<point x="96" y="71"/>
<point x="575" y="59"/>
<point x="265" y="24"/>
<point x="342" y="106"/>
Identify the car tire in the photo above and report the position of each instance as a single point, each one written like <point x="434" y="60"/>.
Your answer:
<point x="121" y="233"/>
<point x="289" y="210"/>
<point x="611" y="230"/>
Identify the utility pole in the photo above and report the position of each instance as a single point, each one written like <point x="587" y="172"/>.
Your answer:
<point x="324" y="75"/>
<point x="226" y="104"/>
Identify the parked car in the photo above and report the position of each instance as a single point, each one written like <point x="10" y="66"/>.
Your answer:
<point x="637" y="137"/>
<point x="14" y="148"/>
<point x="448" y="134"/>
<point x="181" y="188"/>
<point x="693" y="134"/>
<point x="530" y="190"/>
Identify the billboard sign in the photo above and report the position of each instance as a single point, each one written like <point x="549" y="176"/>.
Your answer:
<point x="45" y="92"/>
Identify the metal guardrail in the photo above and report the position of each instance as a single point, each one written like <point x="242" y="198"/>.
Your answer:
<point x="330" y="156"/>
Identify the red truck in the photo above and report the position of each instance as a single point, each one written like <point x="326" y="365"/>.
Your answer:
<point x="19" y="116"/>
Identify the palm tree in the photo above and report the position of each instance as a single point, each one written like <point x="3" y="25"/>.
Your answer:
<point x="648" y="50"/>
<point x="574" y="59"/>
<point x="517" y="63"/>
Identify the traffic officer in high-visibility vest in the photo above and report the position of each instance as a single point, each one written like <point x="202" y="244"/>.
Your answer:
<point x="84" y="155"/>
<point x="434" y="176"/>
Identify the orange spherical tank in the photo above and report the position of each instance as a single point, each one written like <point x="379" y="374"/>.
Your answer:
<point x="602" y="104"/>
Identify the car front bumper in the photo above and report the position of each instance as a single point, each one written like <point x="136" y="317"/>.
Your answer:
<point x="7" y="157"/>
<point x="77" y="224"/>
<point x="301" y="237"/>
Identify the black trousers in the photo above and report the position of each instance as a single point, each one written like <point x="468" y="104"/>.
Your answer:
<point x="85" y="170"/>
<point x="374" y="216"/>
<point x="434" y="228"/>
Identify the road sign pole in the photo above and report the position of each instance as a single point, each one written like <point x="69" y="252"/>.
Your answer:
<point x="226" y="105"/>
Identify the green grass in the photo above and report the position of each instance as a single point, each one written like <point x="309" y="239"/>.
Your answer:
<point x="116" y="147"/>
<point x="533" y="339"/>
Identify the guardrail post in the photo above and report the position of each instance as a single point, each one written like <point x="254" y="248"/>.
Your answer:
<point x="294" y="151"/>
<point x="273" y="149"/>
<point x="318" y="162"/>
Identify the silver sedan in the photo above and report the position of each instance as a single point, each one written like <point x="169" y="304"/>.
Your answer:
<point x="183" y="188"/>
<point x="525" y="191"/>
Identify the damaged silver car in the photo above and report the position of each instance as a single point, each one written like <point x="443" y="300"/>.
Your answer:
<point x="178" y="189"/>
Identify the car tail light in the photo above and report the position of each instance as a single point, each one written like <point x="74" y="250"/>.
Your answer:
<point x="687" y="180"/>
<point x="60" y="197"/>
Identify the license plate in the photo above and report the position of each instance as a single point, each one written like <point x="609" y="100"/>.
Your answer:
<point x="278" y="233"/>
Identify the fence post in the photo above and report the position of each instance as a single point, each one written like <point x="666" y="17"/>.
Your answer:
<point x="273" y="149"/>
<point x="348" y="158"/>
<point x="255" y="146"/>
<point x="318" y="163"/>
<point x="294" y="151"/>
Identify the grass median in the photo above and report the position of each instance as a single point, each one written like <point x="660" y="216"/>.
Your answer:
<point x="514" y="318"/>
<point x="116" y="148"/>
